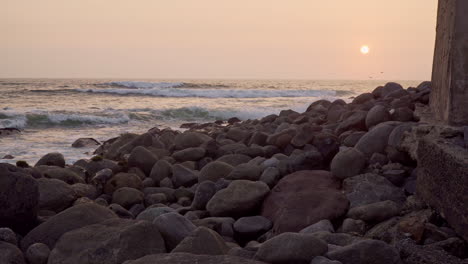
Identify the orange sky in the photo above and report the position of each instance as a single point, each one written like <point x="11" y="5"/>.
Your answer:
<point x="274" y="39"/>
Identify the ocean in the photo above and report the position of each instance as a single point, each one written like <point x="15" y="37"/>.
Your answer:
<point x="53" y="113"/>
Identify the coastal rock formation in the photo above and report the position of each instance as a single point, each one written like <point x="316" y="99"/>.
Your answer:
<point x="338" y="183"/>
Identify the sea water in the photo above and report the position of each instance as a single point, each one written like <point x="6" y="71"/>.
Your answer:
<point x="52" y="113"/>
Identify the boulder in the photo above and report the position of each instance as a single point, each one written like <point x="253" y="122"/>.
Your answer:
<point x="251" y="227"/>
<point x="270" y="176"/>
<point x="202" y="241"/>
<point x="85" y="142"/>
<point x="386" y="231"/>
<point x="55" y="195"/>
<point x="336" y="239"/>
<point x="38" y="253"/>
<point x="161" y="170"/>
<point x="72" y="218"/>
<point x="323" y="225"/>
<point x="222" y="225"/>
<point x="190" y="139"/>
<point x="127" y="197"/>
<point x="189" y="154"/>
<point x="375" y="212"/>
<point x="378" y="114"/>
<point x="291" y="248"/>
<point x="85" y="190"/>
<point x="376" y="139"/>
<point x="237" y="134"/>
<point x="94" y="166"/>
<point x="7" y="235"/>
<point x="151" y="213"/>
<point x="120" y="180"/>
<point x="403" y="114"/>
<point x="353" y="226"/>
<point x="52" y="159"/>
<point x="240" y="198"/>
<point x="214" y="171"/>
<point x="168" y="192"/>
<point x="327" y="144"/>
<point x="121" y="211"/>
<point x="183" y="176"/>
<point x="388" y="88"/>
<point x="258" y="138"/>
<point x="11" y="254"/>
<point x="282" y="138"/>
<point x="109" y="242"/>
<point x="174" y="228"/>
<point x="19" y="198"/>
<point x="203" y="194"/>
<point x="366" y="251"/>
<point x="63" y="174"/>
<point x="234" y="159"/>
<point x="411" y="253"/>
<point x="356" y="121"/>
<point x="371" y="188"/>
<point x="324" y="260"/>
<point x="302" y="199"/>
<point x="347" y="163"/>
<point x="352" y="139"/>
<point x="362" y="98"/>
<point x="185" y="258"/>
<point x="304" y="135"/>
<point x="142" y="158"/>
<point x="245" y="171"/>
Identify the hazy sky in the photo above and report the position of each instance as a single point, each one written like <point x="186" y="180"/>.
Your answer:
<point x="306" y="39"/>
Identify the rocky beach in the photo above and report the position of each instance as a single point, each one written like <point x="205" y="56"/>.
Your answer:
<point x="336" y="184"/>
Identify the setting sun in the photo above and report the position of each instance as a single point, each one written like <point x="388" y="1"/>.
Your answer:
<point x="365" y="49"/>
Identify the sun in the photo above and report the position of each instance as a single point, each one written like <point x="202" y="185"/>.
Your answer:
<point x="365" y="49"/>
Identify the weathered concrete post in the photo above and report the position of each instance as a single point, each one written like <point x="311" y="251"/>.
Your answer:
<point x="442" y="153"/>
<point x="449" y="96"/>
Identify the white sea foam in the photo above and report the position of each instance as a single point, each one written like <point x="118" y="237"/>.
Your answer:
<point x="145" y="85"/>
<point x="36" y="118"/>
<point x="212" y="93"/>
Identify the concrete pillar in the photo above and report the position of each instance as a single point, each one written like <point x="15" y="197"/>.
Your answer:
<point x="449" y="96"/>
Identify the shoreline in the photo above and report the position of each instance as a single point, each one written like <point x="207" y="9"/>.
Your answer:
<point x="334" y="183"/>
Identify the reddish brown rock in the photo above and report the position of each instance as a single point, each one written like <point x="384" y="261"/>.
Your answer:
<point x="302" y="199"/>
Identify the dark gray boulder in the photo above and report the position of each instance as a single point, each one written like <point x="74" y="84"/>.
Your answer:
<point x="37" y="253"/>
<point x="72" y="218"/>
<point x="366" y="251"/>
<point x="161" y="169"/>
<point x="185" y="258"/>
<point x="10" y="254"/>
<point x="378" y="114"/>
<point x="142" y="158"/>
<point x="203" y="194"/>
<point x="371" y="188"/>
<point x="202" y="241"/>
<point x="110" y="242"/>
<point x="240" y="198"/>
<point x="55" y="195"/>
<point x="291" y="248"/>
<point x="376" y="139"/>
<point x="19" y="198"/>
<point x="347" y="163"/>
<point x="174" y="228"/>
<point x="52" y="159"/>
